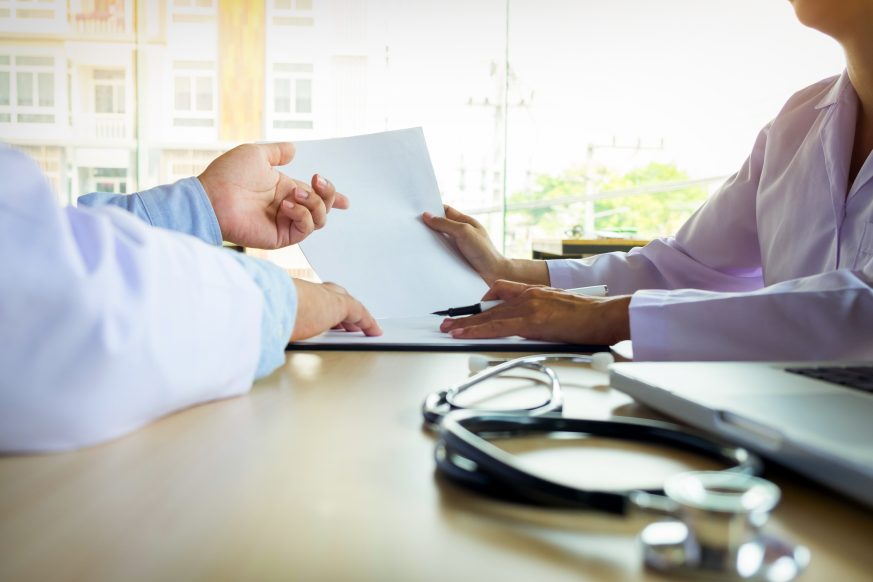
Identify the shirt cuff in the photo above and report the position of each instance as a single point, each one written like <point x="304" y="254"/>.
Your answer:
<point x="280" y="310"/>
<point x="648" y="323"/>
<point x="182" y="206"/>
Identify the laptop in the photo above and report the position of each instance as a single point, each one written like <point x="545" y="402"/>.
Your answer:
<point x="816" y="418"/>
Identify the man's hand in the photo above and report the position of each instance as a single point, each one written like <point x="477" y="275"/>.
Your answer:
<point x="328" y="306"/>
<point x="258" y="206"/>
<point x="471" y="239"/>
<point x="543" y="313"/>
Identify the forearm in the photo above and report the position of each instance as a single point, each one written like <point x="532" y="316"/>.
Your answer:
<point x="531" y="272"/>
<point x="823" y="317"/>
<point x="182" y="206"/>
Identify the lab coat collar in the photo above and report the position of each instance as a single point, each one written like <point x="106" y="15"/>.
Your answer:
<point x="837" y="91"/>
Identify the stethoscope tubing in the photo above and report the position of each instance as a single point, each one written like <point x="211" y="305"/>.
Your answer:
<point x="438" y="404"/>
<point x="465" y="455"/>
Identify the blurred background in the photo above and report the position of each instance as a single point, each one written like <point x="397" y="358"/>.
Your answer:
<point x="545" y="119"/>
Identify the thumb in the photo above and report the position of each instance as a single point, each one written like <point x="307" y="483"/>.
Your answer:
<point x="503" y="290"/>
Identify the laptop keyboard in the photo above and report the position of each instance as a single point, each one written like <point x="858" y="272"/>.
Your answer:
<point x="859" y="377"/>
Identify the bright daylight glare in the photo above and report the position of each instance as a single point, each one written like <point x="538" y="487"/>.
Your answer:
<point x="545" y="119"/>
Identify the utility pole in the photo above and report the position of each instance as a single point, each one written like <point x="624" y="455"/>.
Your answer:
<point x="494" y="174"/>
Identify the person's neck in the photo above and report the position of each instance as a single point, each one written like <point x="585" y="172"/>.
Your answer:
<point x="859" y="60"/>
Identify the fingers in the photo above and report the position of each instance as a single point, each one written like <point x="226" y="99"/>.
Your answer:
<point x="446" y="226"/>
<point x="300" y="194"/>
<point x="491" y="329"/>
<point x="459" y="216"/>
<point x="503" y="290"/>
<point x="359" y="319"/>
<point x="296" y="220"/>
<point x="278" y="154"/>
<point x="325" y="188"/>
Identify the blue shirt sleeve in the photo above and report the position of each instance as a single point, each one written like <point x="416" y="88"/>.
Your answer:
<point x="280" y="309"/>
<point x="183" y="207"/>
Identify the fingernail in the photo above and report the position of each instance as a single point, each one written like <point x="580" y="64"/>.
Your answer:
<point x="322" y="183"/>
<point x="427" y="215"/>
<point x="458" y="332"/>
<point x="288" y="204"/>
<point x="301" y="194"/>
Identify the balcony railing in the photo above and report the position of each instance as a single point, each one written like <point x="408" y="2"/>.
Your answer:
<point x="109" y="126"/>
<point x="99" y="22"/>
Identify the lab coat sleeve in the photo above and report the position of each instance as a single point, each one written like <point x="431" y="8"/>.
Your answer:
<point x="697" y="257"/>
<point x="107" y="323"/>
<point x="182" y="206"/>
<point x="821" y="317"/>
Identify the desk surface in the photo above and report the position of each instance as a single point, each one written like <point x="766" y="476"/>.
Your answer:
<point x="323" y="472"/>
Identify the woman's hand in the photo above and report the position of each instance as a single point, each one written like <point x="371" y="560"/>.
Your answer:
<point x="543" y="313"/>
<point x="472" y="240"/>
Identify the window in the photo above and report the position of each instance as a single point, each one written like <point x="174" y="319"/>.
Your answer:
<point x="5" y="89"/>
<point x="27" y="89"/>
<point x="194" y="11"/>
<point x="609" y="118"/>
<point x="194" y="94"/>
<point x="292" y="13"/>
<point x="292" y="96"/>
<point x="51" y="162"/>
<point x="100" y="179"/>
<point x="108" y="91"/>
<point x="46" y="11"/>
<point x="178" y="164"/>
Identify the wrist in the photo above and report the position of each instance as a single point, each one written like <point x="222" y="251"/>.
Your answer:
<point x="614" y="315"/>
<point x="525" y="271"/>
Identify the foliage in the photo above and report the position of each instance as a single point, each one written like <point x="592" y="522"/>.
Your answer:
<point x="639" y="216"/>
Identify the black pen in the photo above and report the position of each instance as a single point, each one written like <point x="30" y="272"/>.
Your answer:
<point x="594" y="291"/>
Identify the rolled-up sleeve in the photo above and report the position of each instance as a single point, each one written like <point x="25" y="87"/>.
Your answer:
<point x="182" y="206"/>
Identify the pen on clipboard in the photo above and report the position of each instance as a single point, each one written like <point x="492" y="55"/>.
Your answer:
<point x="593" y="291"/>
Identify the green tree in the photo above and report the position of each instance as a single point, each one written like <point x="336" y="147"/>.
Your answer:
<point x="642" y="215"/>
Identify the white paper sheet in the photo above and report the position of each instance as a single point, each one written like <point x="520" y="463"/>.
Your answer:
<point x="379" y="249"/>
<point x="419" y="332"/>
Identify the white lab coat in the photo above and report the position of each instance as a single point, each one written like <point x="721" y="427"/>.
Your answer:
<point x="107" y="323"/>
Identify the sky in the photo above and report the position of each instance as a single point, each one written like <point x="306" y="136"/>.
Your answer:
<point x="700" y="76"/>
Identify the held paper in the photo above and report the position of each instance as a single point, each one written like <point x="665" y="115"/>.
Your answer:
<point x="379" y="249"/>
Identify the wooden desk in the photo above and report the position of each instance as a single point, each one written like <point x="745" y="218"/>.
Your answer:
<point x="323" y="472"/>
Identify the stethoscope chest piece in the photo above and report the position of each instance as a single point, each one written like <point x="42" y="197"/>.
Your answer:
<point x="715" y="529"/>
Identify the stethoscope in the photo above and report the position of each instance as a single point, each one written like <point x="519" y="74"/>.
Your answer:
<point x="708" y="522"/>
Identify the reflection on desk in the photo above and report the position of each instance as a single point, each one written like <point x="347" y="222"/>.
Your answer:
<point x="323" y="472"/>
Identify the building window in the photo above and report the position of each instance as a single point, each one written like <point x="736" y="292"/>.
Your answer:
<point x="51" y="161"/>
<point x="29" y="10"/>
<point x="27" y="89"/>
<point x="194" y="94"/>
<point x="196" y="11"/>
<point x="108" y="91"/>
<point x="178" y="164"/>
<point x="292" y="96"/>
<point x="111" y="180"/>
<point x="5" y="89"/>
<point x="292" y="13"/>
